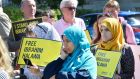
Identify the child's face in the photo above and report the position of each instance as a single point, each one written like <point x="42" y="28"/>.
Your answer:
<point x="106" y="35"/>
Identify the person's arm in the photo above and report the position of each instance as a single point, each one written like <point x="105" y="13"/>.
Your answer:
<point x="13" y="45"/>
<point x="130" y="37"/>
<point x="81" y="74"/>
<point x="52" y="68"/>
<point x="55" y="66"/>
<point x="5" y="25"/>
<point x="88" y="71"/>
<point x="127" y="64"/>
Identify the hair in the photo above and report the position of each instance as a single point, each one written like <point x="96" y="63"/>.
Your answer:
<point x="48" y="13"/>
<point x="29" y="28"/>
<point x="96" y="24"/>
<point x="23" y="1"/>
<point x="65" y="3"/>
<point x="112" y="4"/>
<point x="5" y="60"/>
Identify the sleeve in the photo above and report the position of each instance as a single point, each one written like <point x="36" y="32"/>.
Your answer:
<point x="58" y="26"/>
<point x="80" y="74"/>
<point x="13" y="45"/>
<point x="52" y="68"/>
<point x="127" y="64"/>
<point x="6" y="32"/>
<point x="83" y="24"/>
<point x="130" y="35"/>
<point x="5" y="25"/>
<point x="88" y="71"/>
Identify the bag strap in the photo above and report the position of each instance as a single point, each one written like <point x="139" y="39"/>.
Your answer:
<point x="124" y="30"/>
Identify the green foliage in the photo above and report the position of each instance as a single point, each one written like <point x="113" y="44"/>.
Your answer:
<point x="16" y="1"/>
<point x="81" y="2"/>
<point x="13" y="12"/>
<point x="54" y="4"/>
<point x="57" y="13"/>
<point x="80" y="12"/>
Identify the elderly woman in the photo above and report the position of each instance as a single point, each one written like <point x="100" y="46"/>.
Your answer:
<point x="80" y="62"/>
<point x="68" y="9"/>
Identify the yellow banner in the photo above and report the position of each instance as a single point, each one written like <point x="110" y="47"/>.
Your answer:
<point x="107" y="62"/>
<point x="39" y="51"/>
<point x="88" y="36"/>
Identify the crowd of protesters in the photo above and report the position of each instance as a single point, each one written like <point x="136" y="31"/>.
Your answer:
<point x="77" y="58"/>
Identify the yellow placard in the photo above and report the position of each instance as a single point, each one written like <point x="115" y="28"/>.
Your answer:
<point x="107" y="62"/>
<point x="88" y="36"/>
<point x="39" y="51"/>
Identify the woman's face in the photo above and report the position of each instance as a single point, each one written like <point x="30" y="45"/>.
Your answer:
<point x="106" y="35"/>
<point x="68" y="45"/>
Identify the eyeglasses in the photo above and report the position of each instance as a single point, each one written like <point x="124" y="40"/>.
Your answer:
<point x="71" y="8"/>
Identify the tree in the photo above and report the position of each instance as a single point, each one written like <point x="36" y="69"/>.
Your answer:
<point x="54" y="4"/>
<point x="17" y="2"/>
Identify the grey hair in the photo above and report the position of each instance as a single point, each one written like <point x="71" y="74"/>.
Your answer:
<point x="65" y="3"/>
<point x="23" y="1"/>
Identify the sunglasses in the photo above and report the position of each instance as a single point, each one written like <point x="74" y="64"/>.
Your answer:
<point x="71" y="8"/>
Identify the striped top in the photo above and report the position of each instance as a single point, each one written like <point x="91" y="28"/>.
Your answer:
<point x="3" y="74"/>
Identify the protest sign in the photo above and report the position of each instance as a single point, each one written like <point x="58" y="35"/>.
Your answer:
<point x="88" y="36"/>
<point x="18" y="28"/>
<point x="107" y="62"/>
<point x="39" y="51"/>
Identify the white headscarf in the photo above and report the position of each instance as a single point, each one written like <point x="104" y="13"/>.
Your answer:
<point x="46" y="31"/>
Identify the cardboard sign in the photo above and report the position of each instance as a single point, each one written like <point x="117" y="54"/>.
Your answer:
<point x="136" y="53"/>
<point x="88" y="36"/>
<point x="107" y="62"/>
<point x="39" y="51"/>
<point x="18" y="28"/>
